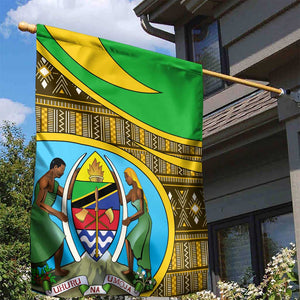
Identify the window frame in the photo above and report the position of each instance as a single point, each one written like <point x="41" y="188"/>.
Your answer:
<point x="261" y="216"/>
<point x="254" y="220"/>
<point x="204" y="21"/>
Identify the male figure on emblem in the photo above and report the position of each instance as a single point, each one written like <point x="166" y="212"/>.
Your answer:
<point x="46" y="237"/>
<point x="138" y="240"/>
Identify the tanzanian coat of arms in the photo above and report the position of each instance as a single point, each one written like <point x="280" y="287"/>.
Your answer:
<point x="95" y="206"/>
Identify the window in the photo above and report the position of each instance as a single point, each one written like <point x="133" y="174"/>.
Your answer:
<point x="204" y="48"/>
<point x="241" y="247"/>
<point x="234" y="254"/>
<point x="277" y="232"/>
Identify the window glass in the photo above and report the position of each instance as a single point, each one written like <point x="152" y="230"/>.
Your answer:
<point x="235" y="254"/>
<point x="277" y="232"/>
<point x="206" y="51"/>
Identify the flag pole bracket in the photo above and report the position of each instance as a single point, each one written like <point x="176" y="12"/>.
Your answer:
<point x="295" y="96"/>
<point x="288" y="94"/>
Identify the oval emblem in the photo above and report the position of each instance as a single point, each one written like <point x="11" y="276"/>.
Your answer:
<point x="95" y="206"/>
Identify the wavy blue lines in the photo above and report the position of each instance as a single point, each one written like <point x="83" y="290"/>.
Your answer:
<point x="88" y="240"/>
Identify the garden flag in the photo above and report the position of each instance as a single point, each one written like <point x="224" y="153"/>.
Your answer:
<point x="118" y="206"/>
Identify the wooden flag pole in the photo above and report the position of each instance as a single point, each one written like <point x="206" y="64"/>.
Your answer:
<point x="244" y="82"/>
<point x="23" y="26"/>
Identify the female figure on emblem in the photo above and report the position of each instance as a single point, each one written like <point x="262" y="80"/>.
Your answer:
<point x="46" y="237"/>
<point x="138" y="240"/>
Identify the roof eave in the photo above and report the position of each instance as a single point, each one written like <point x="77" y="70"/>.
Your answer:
<point x="172" y="12"/>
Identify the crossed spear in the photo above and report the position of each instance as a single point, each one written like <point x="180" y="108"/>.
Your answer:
<point x="84" y="212"/>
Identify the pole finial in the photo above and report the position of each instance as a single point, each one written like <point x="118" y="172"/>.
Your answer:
<point x="24" y="26"/>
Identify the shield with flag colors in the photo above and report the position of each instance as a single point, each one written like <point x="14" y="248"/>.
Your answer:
<point x="95" y="206"/>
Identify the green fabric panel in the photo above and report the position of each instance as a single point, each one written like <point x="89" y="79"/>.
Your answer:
<point x="179" y="83"/>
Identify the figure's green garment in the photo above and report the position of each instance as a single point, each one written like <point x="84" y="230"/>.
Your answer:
<point x="46" y="237"/>
<point x="139" y="237"/>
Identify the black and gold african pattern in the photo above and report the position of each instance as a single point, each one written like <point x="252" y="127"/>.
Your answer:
<point x="61" y="107"/>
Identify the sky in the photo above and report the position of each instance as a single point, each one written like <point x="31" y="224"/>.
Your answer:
<point x="110" y="19"/>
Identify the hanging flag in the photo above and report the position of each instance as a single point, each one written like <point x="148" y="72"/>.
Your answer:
<point x="118" y="205"/>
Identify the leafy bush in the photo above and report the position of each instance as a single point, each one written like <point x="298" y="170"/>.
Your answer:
<point x="16" y="182"/>
<point x="279" y="282"/>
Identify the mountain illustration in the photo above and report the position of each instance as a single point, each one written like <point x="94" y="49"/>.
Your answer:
<point x="95" y="273"/>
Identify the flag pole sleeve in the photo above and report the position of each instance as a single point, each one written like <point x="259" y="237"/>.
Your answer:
<point x="23" y="26"/>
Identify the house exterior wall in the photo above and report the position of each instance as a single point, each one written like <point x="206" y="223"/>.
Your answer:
<point x="262" y="31"/>
<point x="264" y="42"/>
<point x="255" y="164"/>
<point x="288" y="75"/>
<point x="245" y="179"/>
<point x="249" y="15"/>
